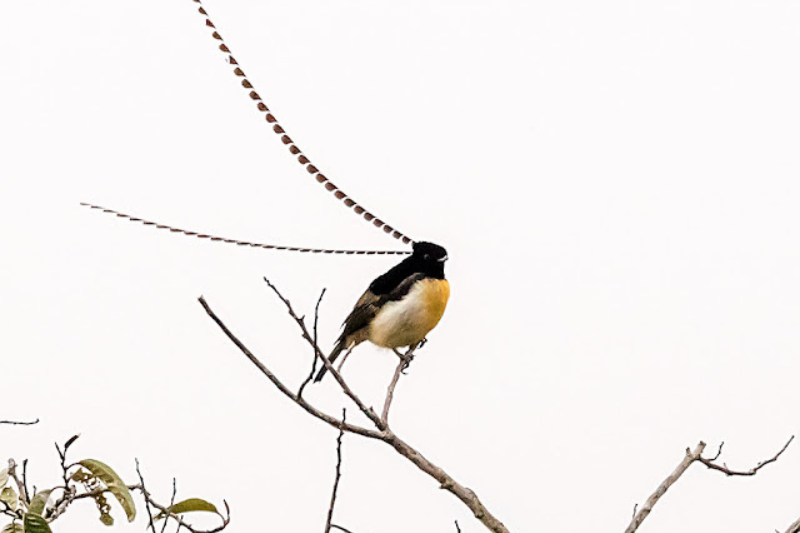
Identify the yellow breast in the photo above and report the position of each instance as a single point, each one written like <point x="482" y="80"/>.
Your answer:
<point x="435" y="293"/>
<point x="408" y="321"/>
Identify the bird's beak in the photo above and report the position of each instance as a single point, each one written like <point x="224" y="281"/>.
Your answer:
<point x="443" y="259"/>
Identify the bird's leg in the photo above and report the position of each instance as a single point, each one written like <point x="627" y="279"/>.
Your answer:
<point x="344" y="358"/>
<point x="408" y="357"/>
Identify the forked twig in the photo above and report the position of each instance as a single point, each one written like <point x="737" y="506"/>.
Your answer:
<point x="690" y="457"/>
<point x="335" y="373"/>
<point x="728" y="472"/>
<point x="384" y="433"/>
<point x="316" y="354"/>
<point x="165" y="510"/>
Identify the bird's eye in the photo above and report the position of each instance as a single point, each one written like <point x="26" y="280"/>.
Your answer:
<point x="427" y="256"/>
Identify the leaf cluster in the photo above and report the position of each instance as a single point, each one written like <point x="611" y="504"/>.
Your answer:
<point x="84" y="479"/>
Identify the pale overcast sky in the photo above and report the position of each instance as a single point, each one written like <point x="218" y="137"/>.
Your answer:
<point x="616" y="184"/>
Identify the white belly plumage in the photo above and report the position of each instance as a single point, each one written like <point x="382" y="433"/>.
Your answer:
<point x="407" y="321"/>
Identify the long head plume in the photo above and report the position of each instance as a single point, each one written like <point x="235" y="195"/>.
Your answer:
<point x="237" y="242"/>
<point x="293" y="148"/>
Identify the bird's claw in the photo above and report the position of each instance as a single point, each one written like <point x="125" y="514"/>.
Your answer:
<point x="406" y="362"/>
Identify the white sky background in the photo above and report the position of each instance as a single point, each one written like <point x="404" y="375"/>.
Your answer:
<point x="616" y="184"/>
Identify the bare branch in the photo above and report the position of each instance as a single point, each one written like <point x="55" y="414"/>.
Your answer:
<point x="150" y="522"/>
<point x="283" y="388"/>
<point x="338" y="473"/>
<point x="390" y="391"/>
<point x="728" y="472"/>
<point x="458" y="529"/>
<point x="17" y="423"/>
<point x="688" y="459"/>
<point x="171" y="503"/>
<point x="337" y="376"/>
<point x="795" y="527"/>
<point x="316" y="344"/>
<point x="446" y="482"/>
<point x="691" y="457"/>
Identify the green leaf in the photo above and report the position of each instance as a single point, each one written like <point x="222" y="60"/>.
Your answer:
<point x="14" y="527"/>
<point x="9" y="496"/>
<point x="114" y="484"/>
<point x="189" y="506"/>
<point x="37" y="503"/>
<point x="36" y="524"/>
<point x="107" y="519"/>
<point x="3" y="477"/>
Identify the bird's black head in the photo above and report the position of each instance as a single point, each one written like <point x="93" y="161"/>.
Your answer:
<point x="429" y="258"/>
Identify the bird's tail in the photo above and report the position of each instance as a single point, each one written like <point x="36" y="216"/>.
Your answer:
<point x="341" y="345"/>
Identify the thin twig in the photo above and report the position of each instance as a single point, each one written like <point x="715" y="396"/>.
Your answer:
<point x="390" y="391"/>
<point x="338" y="472"/>
<point x="171" y="503"/>
<point x="66" y="499"/>
<point x="728" y="472"/>
<point x="17" y="423"/>
<point x="151" y="524"/>
<point x="25" y="480"/>
<point x="316" y="344"/>
<point x="148" y="499"/>
<point x="458" y="529"/>
<point x="340" y="528"/>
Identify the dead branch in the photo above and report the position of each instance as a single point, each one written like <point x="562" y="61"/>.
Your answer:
<point x="390" y="391"/>
<point x="337" y="376"/>
<point x="316" y="355"/>
<point x="688" y="459"/>
<point x="338" y="473"/>
<point x="696" y="455"/>
<point x="150" y="522"/>
<point x="328" y="419"/>
<point x="795" y="527"/>
<point x="383" y="433"/>
<point x="17" y="423"/>
<point x="728" y="472"/>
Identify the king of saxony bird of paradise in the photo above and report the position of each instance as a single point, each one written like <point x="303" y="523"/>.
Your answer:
<point x="401" y="306"/>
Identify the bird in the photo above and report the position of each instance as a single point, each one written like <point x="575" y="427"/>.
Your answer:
<point x="400" y="307"/>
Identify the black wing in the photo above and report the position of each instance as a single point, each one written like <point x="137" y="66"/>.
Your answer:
<point x="370" y="303"/>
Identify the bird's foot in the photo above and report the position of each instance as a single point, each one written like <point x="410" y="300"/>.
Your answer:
<point x="407" y="358"/>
